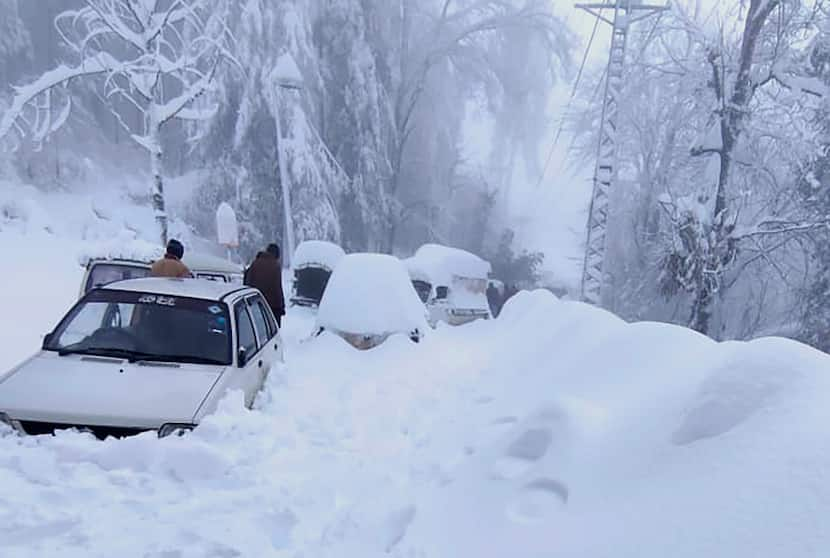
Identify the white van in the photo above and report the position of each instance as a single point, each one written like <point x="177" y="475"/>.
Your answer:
<point x="451" y="282"/>
<point x="106" y="269"/>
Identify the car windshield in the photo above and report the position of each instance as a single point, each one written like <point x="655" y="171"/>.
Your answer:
<point x="103" y="274"/>
<point x="146" y="327"/>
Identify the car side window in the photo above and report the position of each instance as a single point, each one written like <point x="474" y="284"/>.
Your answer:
<point x="246" y="338"/>
<point x="273" y="328"/>
<point x="260" y="321"/>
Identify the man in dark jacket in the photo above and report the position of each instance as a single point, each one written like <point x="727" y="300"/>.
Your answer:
<point x="265" y="274"/>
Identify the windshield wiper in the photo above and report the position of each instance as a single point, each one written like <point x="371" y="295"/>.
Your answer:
<point x="101" y="352"/>
<point x="183" y="359"/>
<point x="138" y="356"/>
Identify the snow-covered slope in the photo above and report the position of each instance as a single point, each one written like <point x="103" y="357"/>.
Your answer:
<point x="556" y="430"/>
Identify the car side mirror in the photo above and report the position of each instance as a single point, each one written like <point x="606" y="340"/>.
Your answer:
<point x="47" y="340"/>
<point x="242" y="358"/>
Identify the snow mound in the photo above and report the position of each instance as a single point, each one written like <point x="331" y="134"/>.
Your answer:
<point x="371" y="294"/>
<point x="317" y="252"/>
<point x="442" y="263"/>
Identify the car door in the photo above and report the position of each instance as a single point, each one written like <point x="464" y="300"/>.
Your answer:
<point x="275" y="337"/>
<point x="249" y="376"/>
<point x="266" y="332"/>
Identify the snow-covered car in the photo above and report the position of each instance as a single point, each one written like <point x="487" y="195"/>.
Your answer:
<point x="451" y="282"/>
<point x="103" y="270"/>
<point x="313" y="263"/>
<point x="369" y="298"/>
<point x="144" y="354"/>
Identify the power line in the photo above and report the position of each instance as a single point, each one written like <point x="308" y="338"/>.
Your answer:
<point x="570" y="100"/>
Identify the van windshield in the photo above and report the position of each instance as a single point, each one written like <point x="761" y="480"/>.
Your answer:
<point x="146" y="327"/>
<point x="102" y="274"/>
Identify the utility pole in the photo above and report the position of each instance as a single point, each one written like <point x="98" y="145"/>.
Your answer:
<point x="620" y="15"/>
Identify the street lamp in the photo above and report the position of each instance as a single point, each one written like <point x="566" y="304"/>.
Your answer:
<point x="285" y="75"/>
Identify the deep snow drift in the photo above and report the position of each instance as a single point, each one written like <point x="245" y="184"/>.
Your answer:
<point x="556" y="430"/>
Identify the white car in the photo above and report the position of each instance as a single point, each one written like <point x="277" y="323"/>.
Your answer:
<point x="144" y="354"/>
<point x="369" y="298"/>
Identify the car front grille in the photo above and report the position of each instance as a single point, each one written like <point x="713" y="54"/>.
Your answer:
<point x="34" y="428"/>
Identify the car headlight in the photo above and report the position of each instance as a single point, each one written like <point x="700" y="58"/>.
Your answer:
<point x="175" y="429"/>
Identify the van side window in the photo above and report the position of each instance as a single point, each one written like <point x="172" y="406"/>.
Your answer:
<point x="245" y="329"/>
<point x="260" y="321"/>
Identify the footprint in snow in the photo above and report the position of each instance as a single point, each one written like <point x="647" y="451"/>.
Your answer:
<point x="531" y="446"/>
<point x="538" y="500"/>
<point x="397" y="525"/>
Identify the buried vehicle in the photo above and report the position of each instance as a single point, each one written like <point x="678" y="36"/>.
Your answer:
<point x="368" y="299"/>
<point x="313" y="263"/>
<point x="144" y="354"/>
<point x="451" y="282"/>
<point x="102" y="270"/>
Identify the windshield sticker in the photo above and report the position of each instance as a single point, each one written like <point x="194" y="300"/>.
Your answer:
<point x="215" y="309"/>
<point x="155" y="299"/>
<point x="219" y="325"/>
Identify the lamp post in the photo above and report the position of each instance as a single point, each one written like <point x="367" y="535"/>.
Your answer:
<point x="286" y="76"/>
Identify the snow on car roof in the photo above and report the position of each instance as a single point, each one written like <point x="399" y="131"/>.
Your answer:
<point x="317" y="252"/>
<point x="145" y="252"/>
<point x="205" y="262"/>
<point x="190" y="288"/>
<point x="416" y="272"/>
<point x="371" y="294"/>
<point x="134" y="250"/>
<point x="441" y="263"/>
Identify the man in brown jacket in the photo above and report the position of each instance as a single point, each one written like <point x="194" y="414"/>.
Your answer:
<point x="171" y="264"/>
<point x="265" y="274"/>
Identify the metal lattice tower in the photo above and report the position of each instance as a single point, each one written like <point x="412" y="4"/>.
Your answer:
<point x="623" y="13"/>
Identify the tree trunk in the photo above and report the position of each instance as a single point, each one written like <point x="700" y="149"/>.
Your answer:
<point x="702" y="309"/>
<point x="157" y="192"/>
<point x="733" y="109"/>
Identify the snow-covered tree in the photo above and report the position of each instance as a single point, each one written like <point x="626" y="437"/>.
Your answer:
<point x="715" y="121"/>
<point x="15" y="41"/>
<point x="243" y="145"/>
<point x="152" y="60"/>
<point x="458" y="47"/>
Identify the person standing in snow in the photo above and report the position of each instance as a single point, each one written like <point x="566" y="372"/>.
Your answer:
<point x="494" y="299"/>
<point x="171" y="264"/>
<point x="265" y="274"/>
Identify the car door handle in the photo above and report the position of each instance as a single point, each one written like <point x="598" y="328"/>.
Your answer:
<point x="260" y="364"/>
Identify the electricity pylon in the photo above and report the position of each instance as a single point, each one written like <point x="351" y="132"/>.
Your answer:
<point x="623" y="13"/>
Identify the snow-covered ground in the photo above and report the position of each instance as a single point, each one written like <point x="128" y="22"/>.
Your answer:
<point x="556" y="430"/>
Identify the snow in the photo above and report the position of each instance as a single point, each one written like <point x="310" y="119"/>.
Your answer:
<point x="442" y="263"/>
<point x="416" y="272"/>
<point x="555" y="430"/>
<point x="124" y="248"/>
<point x="286" y="73"/>
<point x="317" y="253"/>
<point x="371" y="294"/>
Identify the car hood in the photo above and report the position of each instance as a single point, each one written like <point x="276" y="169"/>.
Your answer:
<point x="105" y="392"/>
